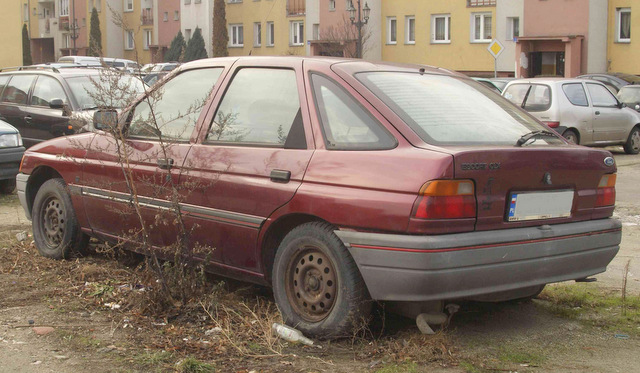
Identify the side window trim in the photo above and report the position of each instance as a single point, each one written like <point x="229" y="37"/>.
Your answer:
<point x="379" y="125"/>
<point x="65" y="99"/>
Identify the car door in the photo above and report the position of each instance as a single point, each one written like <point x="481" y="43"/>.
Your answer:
<point x="609" y="121"/>
<point x="157" y="138"/>
<point x="253" y="152"/>
<point x="41" y="121"/>
<point x="14" y="99"/>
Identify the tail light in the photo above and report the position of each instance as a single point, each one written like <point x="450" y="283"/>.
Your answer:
<point x="446" y="199"/>
<point x="606" y="193"/>
<point x="552" y="124"/>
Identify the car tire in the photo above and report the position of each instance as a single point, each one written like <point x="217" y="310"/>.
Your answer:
<point x="55" y="228"/>
<point x="317" y="285"/>
<point x="632" y="146"/>
<point x="7" y="186"/>
<point x="571" y="136"/>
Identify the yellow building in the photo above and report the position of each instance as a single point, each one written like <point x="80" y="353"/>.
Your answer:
<point x="449" y="34"/>
<point x="11" y="20"/>
<point x="138" y="35"/>
<point x="622" y="54"/>
<point x="267" y="27"/>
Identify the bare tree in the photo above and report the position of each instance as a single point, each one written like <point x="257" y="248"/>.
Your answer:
<point x="340" y="40"/>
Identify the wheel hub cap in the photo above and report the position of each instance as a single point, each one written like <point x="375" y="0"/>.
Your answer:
<point x="53" y="222"/>
<point x="311" y="284"/>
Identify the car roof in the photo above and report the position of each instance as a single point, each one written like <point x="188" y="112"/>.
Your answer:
<point x="550" y="80"/>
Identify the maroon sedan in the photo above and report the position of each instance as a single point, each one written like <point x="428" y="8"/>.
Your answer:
<point x="338" y="182"/>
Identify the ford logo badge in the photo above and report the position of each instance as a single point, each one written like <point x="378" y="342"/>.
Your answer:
<point x="609" y="161"/>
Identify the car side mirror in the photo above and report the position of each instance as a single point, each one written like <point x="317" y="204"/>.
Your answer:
<point x="105" y="119"/>
<point x="621" y="105"/>
<point x="56" y="103"/>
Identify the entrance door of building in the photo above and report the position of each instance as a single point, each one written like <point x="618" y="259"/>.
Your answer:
<point x="546" y="64"/>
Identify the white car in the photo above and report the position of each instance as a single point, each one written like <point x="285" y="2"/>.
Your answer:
<point x="584" y="111"/>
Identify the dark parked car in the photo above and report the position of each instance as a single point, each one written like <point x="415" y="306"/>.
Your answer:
<point x="630" y="96"/>
<point x="44" y="102"/>
<point x="336" y="182"/>
<point x="11" y="151"/>
<point x="613" y="80"/>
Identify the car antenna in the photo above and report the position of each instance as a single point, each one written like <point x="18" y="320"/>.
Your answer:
<point x="422" y="70"/>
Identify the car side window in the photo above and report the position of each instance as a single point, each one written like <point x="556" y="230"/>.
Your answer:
<point x="47" y="89"/>
<point x="600" y="96"/>
<point x="345" y="123"/>
<point x="173" y="109"/>
<point x="261" y="106"/>
<point x="575" y="93"/>
<point x="17" y="90"/>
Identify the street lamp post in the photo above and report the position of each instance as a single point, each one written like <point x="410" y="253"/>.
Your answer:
<point x="74" y="28"/>
<point x="363" y="18"/>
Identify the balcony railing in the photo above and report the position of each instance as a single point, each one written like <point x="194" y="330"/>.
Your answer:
<point x="147" y="17"/>
<point x="474" y="3"/>
<point x="296" y="7"/>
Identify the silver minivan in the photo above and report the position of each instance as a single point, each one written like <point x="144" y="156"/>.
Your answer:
<point x="583" y="111"/>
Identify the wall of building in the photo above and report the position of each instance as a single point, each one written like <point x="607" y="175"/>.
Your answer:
<point x="505" y="11"/>
<point x="11" y="34"/>
<point x="198" y="15"/>
<point x="312" y="18"/>
<point x="597" y="37"/>
<point x="623" y="57"/>
<point x="460" y="54"/>
<point x="112" y="34"/>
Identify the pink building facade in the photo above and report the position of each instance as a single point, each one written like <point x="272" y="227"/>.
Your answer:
<point x="562" y="38"/>
<point x="166" y="27"/>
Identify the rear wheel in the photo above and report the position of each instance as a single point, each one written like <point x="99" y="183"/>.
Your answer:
<point x="7" y="186"/>
<point x="571" y="136"/>
<point x="632" y="146"/>
<point x="55" y="229"/>
<point x="316" y="283"/>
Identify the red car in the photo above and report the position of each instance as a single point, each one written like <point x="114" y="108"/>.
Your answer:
<point x="338" y="182"/>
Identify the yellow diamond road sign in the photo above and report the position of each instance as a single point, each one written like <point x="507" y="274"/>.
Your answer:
<point x="495" y="48"/>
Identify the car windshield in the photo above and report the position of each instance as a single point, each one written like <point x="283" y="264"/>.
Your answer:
<point x="90" y="91"/>
<point x="447" y="110"/>
<point x="629" y="95"/>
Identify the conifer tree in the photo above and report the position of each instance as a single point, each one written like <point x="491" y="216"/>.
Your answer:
<point x="176" y="50"/>
<point x="95" y="36"/>
<point x="26" y="47"/>
<point x="195" y="47"/>
<point x="220" y="38"/>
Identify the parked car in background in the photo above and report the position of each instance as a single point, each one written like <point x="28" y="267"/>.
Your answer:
<point x="157" y="71"/>
<point x="630" y="96"/>
<point x="489" y="84"/>
<point x="501" y="82"/>
<point x="613" y="80"/>
<point x="336" y="182"/>
<point x="46" y="102"/>
<point x="11" y="151"/>
<point x="584" y="111"/>
<point x="118" y="63"/>
<point x="81" y="60"/>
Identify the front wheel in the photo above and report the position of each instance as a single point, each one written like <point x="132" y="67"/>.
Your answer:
<point x="55" y="229"/>
<point x="571" y="136"/>
<point x="316" y="283"/>
<point x="632" y="146"/>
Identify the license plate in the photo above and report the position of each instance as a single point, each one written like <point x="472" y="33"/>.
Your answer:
<point x="540" y="205"/>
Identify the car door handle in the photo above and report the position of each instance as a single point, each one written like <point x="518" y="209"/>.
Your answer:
<point x="165" y="163"/>
<point x="28" y="119"/>
<point x="280" y="176"/>
<point x="597" y="113"/>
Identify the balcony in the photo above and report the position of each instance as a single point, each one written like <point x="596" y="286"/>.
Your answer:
<point x="296" y="7"/>
<point x="147" y="17"/>
<point x="479" y="3"/>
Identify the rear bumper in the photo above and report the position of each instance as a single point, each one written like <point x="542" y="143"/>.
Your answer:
<point x="465" y="265"/>
<point x="10" y="162"/>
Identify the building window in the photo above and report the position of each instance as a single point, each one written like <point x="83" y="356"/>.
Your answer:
<point x="187" y="34"/>
<point x="176" y="15"/>
<point x="410" y="30"/>
<point x="513" y="28"/>
<point x="84" y="22"/>
<point x="441" y="28"/>
<point x="297" y="33"/>
<point x="257" y="34"/>
<point x="316" y="31"/>
<point x="270" y="34"/>
<point x="481" y="27"/>
<point x="95" y="4"/>
<point x="236" y="33"/>
<point x="64" y="8"/>
<point x="235" y="1"/>
<point x="197" y="1"/>
<point x="25" y="11"/>
<point x="623" y="25"/>
<point x="349" y="4"/>
<point x="392" y="38"/>
<point x="67" y="41"/>
<point x="473" y="3"/>
<point x="165" y="16"/>
<point x="148" y="39"/>
<point x="187" y="2"/>
<point x="332" y="5"/>
<point x="129" y="40"/>
<point x="128" y="5"/>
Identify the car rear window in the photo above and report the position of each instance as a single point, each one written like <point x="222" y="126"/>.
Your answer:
<point x="447" y="110"/>
<point x="531" y="97"/>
